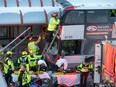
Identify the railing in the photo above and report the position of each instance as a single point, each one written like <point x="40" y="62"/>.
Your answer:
<point x="28" y="31"/>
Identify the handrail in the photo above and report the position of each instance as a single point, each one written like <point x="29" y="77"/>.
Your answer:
<point x="21" y="41"/>
<point x="15" y="39"/>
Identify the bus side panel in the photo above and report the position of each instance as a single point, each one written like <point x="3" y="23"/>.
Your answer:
<point x="71" y="32"/>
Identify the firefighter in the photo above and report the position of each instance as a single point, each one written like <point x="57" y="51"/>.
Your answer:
<point x="8" y="67"/>
<point x="85" y="67"/>
<point x="32" y="58"/>
<point x="23" y="60"/>
<point x="24" y="77"/>
<point x="33" y="45"/>
<point x="54" y="21"/>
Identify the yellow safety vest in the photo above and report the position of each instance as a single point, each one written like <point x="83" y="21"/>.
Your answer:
<point x="22" y="61"/>
<point x="33" y="61"/>
<point x="33" y="47"/>
<point x="8" y="65"/>
<point x="53" y="24"/>
<point x="26" y="78"/>
<point x="90" y="65"/>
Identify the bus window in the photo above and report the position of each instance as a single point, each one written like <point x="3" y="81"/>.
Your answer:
<point x="97" y="16"/>
<point x="74" y="17"/>
<point x="113" y="13"/>
<point x="71" y="47"/>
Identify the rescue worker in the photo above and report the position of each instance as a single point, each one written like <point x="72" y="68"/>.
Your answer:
<point x="85" y="67"/>
<point x="8" y="67"/>
<point x="32" y="58"/>
<point x="54" y="21"/>
<point x="33" y="45"/>
<point x="24" y="77"/>
<point x="23" y="60"/>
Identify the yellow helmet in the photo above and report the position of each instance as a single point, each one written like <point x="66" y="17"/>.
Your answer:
<point x="24" y="53"/>
<point x="9" y="53"/>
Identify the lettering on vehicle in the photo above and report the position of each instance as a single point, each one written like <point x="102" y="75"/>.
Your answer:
<point x="68" y="37"/>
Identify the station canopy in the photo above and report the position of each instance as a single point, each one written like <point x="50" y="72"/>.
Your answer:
<point x="20" y="12"/>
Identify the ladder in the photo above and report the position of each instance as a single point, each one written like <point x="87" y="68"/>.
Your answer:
<point x="26" y="33"/>
<point x="48" y="46"/>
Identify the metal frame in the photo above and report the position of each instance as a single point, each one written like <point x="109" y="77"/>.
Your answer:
<point x="15" y="39"/>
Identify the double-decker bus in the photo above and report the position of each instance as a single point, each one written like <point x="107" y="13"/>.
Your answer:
<point x="83" y="25"/>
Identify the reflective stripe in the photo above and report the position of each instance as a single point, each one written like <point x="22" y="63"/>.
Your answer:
<point x="32" y="61"/>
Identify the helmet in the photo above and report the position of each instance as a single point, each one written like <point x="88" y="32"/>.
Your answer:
<point x="9" y="53"/>
<point x="55" y="14"/>
<point x="24" y="53"/>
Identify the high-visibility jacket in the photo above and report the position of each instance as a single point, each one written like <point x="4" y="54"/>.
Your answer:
<point x="23" y="61"/>
<point x="26" y="78"/>
<point x="8" y="65"/>
<point x="33" y="47"/>
<point x="33" y="59"/>
<point x="53" y="24"/>
<point x="89" y="65"/>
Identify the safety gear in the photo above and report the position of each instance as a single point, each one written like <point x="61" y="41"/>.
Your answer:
<point x="32" y="47"/>
<point x="89" y="65"/>
<point x="8" y="66"/>
<point x="22" y="60"/>
<point x="53" y="24"/>
<point x="55" y="14"/>
<point x="9" y="53"/>
<point x="33" y="60"/>
<point x="24" y="53"/>
<point x="25" y="78"/>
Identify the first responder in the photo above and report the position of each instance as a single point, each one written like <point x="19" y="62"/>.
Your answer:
<point x="32" y="58"/>
<point x="85" y="67"/>
<point x="33" y="45"/>
<point x="23" y="60"/>
<point x="8" y="67"/>
<point x="24" y="77"/>
<point x="54" y="21"/>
